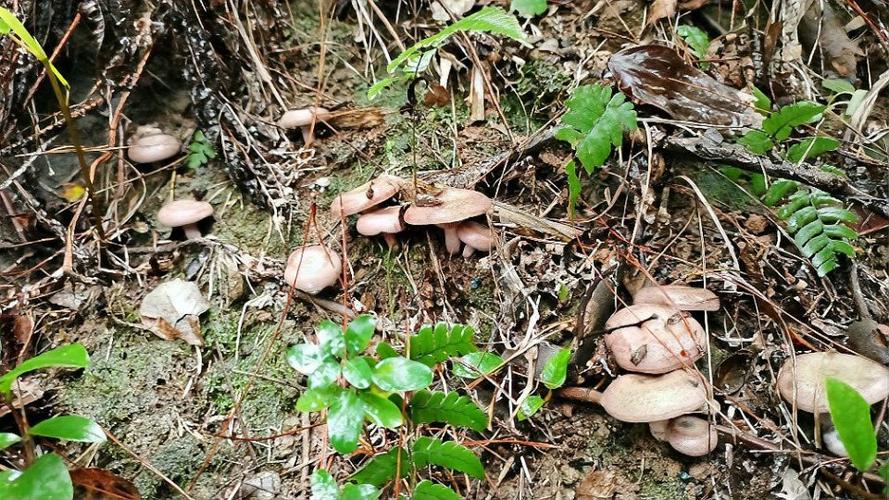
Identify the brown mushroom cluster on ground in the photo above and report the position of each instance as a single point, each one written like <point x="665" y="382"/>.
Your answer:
<point x="450" y="209"/>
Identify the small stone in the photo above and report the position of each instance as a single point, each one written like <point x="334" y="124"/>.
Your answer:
<point x="263" y="486"/>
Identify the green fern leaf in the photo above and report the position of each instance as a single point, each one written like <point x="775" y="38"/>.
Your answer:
<point x="380" y="469"/>
<point x="427" y="490"/>
<point x="450" y="455"/>
<point x="452" y="408"/>
<point x="811" y="147"/>
<point x="434" y="344"/>
<point x="783" y="121"/>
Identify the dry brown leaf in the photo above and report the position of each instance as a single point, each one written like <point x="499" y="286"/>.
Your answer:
<point x="99" y="484"/>
<point x="661" y="9"/>
<point x="597" y="485"/>
<point x="171" y="311"/>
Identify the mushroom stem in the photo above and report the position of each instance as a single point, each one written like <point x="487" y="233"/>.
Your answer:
<point x="308" y="134"/>
<point x="586" y="394"/>
<point x="391" y="241"/>
<point x="192" y="232"/>
<point x="468" y="251"/>
<point x="452" y="241"/>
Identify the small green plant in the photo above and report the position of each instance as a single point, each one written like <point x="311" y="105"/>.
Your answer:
<point x="528" y="8"/>
<point x="820" y="225"/>
<point x="697" y="40"/>
<point x="388" y="392"/>
<point x="778" y="126"/>
<point x="851" y="417"/>
<point x="415" y="59"/>
<point x="45" y="477"/>
<point x="595" y="123"/>
<point x="200" y="151"/>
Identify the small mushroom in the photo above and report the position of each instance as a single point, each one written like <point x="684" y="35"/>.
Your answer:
<point x="651" y="338"/>
<point x="802" y="379"/>
<point x="446" y="210"/>
<point x="644" y="398"/>
<point x="366" y="196"/>
<point x="385" y="221"/>
<point x="313" y="268"/>
<point x="150" y="145"/>
<point x="476" y="237"/>
<point x="185" y="214"/>
<point x="686" y="298"/>
<point x="305" y="120"/>
<point x="692" y="436"/>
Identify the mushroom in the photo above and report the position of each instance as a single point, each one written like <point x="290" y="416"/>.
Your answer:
<point x="313" y="268"/>
<point x="692" y="436"/>
<point x="304" y="119"/>
<point x="802" y="380"/>
<point x="686" y="298"/>
<point x="150" y="145"/>
<point x="367" y="195"/>
<point x="185" y="214"/>
<point x="445" y="210"/>
<point x="645" y="398"/>
<point x="652" y="338"/>
<point x="385" y="221"/>
<point x="476" y="237"/>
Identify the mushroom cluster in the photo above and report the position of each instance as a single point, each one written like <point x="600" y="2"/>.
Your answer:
<point x="450" y="209"/>
<point x="658" y="337"/>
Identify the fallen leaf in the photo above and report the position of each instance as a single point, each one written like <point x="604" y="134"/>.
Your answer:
<point x="24" y="392"/>
<point x="171" y="311"/>
<point x="661" y="9"/>
<point x="99" y="484"/>
<point x="596" y="485"/>
<point x="657" y="76"/>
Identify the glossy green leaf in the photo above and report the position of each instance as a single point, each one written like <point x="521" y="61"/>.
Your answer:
<point x="528" y="8"/>
<point x="66" y="356"/>
<point x="434" y="344"/>
<point x="531" y="405"/>
<point x="45" y="479"/>
<point x="838" y="85"/>
<point x="761" y="101"/>
<point x="305" y="358"/>
<point x="325" y="375"/>
<point x="8" y="439"/>
<point x="810" y="147"/>
<point x="380" y="469"/>
<point x="401" y="374"/>
<point x="778" y="191"/>
<point x="595" y="123"/>
<point x="851" y="417"/>
<point x="447" y="454"/>
<point x="345" y="421"/>
<point x="427" y="490"/>
<point x="313" y="400"/>
<point x="381" y="411"/>
<point x="358" y="334"/>
<point x="451" y="408"/>
<point x="331" y="338"/>
<point x="70" y="428"/>
<point x="757" y="142"/>
<point x="358" y="373"/>
<point x="323" y="486"/>
<point x="476" y="364"/>
<point x="359" y="492"/>
<point x="556" y="369"/>
<point x="781" y="123"/>
<point x="385" y="350"/>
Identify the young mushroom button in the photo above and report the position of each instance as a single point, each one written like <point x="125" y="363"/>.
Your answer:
<point x="152" y="148"/>
<point x="305" y="120"/>
<point x="366" y="196"/>
<point x="476" y="237"/>
<point x="385" y="221"/>
<point x="692" y="436"/>
<point x="686" y="298"/>
<point x="313" y="268"/>
<point x="445" y="210"/>
<point x="651" y="338"/>
<point x="185" y="214"/>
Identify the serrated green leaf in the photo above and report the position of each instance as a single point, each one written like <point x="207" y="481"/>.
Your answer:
<point x="66" y="356"/>
<point x="401" y="374"/>
<point x="556" y="369"/>
<point x="450" y="455"/>
<point x="381" y="411"/>
<point x="331" y="338"/>
<point x="323" y="486"/>
<point x="781" y="123"/>
<point x="427" y="490"/>
<point x="798" y="200"/>
<point x="452" y="408"/>
<point x="697" y="39"/>
<point x="313" y="400"/>
<point x="8" y="439"/>
<point x="779" y="190"/>
<point x="305" y="358"/>
<point x="358" y="373"/>
<point x="757" y="142"/>
<point x="851" y="417"/>
<point x="493" y="20"/>
<point x="345" y="421"/>
<point x="838" y="85"/>
<point x="359" y="492"/>
<point x="531" y="405"/>
<point x="358" y="333"/>
<point x="69" y="428"/>
<point x="325" y="375"/>
<point x="476" y="364"/>
<point x="528" y="8"/>
<point x="380" y="469"/>
<point x="200" y="151"/>
<point x="761" y="101"/>
<point x="432" y="345"/>
<point x="46" y="478"/>
<point x="595" y="122"/>
<point x="810" y="147"/>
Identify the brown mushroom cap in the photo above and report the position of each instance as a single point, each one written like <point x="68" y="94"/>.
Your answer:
<point x="666" y="340"/>
<point x="184" y="212"/>
<point x="319" y="267"/>
<point x="644" y="398"/>
<point x="659" y="429"/>
<point x="869" y="378"/>
<point x="296" y="118"/>
<point x="367" y="195"/>
<point x="450" y="205"/>
<point x="475" y="235"/>
<point x="692" y="436"/>
<point x="686" y="298"/>
<point x="155" y="147"/>
<point x="383" y="220"/>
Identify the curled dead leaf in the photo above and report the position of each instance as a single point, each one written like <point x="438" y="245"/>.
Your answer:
<point x="99" y="484"/>
<point x="171" y="311"/>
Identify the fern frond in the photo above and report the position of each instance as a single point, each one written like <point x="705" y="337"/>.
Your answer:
<point x="447" y="454"/>
<point x="380" y="469"/>
<point x="434" y="344"/>
<point x="454" y="409"/>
